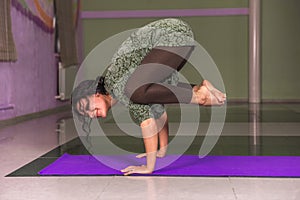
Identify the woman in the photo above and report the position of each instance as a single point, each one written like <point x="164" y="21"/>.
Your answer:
<point x="143" y="76"/>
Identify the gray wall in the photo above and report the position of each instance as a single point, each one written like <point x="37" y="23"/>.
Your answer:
<point x="281" y="49"/>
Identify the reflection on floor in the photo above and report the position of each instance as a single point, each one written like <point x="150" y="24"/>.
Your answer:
<point x="264" y="129"/>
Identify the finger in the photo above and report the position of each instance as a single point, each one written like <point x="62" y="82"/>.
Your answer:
<point x="127" y="169"/>
<point x="128" y="173"/>
<point x="141" y="155"/>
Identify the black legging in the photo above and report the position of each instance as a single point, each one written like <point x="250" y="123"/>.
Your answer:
<point x="145" y="84"/>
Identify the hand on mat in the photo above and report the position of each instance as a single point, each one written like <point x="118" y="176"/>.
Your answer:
<point x="136" y="170"/>
<point x="160" y="154"/>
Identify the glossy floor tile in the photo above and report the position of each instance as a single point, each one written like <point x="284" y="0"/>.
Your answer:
<point x="270" y="129"/>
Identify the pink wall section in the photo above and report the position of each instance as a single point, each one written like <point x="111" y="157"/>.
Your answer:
<point x="30" y="84"/>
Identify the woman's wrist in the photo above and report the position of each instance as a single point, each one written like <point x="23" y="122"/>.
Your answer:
<point x="151" y="160"/>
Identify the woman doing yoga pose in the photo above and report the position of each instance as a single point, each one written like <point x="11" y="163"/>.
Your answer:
<point x="143" y="75"/>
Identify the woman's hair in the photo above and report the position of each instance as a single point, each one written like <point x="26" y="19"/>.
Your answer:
<point x="83" y="91"/>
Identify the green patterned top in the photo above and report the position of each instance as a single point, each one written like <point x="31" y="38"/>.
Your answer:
<point x="166" y="32"/>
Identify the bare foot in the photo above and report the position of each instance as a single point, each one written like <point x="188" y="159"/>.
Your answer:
<point x="203" y="96"/>
<point x="218" y="94"/>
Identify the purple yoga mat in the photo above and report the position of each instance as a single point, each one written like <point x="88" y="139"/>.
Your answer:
<point x="185" y="165"/>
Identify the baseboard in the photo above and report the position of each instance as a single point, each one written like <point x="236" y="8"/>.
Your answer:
<point x="288" y="101"/>
<point x="15" y="120"/>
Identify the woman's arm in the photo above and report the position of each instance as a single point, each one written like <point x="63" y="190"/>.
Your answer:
<point x="150" y="135"/>
<point x="163" y="135"/>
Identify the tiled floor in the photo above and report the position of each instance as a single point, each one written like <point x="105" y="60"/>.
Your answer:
<point x="271" y="129"/>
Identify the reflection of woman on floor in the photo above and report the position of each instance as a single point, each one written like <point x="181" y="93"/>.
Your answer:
<point x="143" y="76"/>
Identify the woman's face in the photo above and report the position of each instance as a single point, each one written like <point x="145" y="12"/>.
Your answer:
<point x="93" y="106"/>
